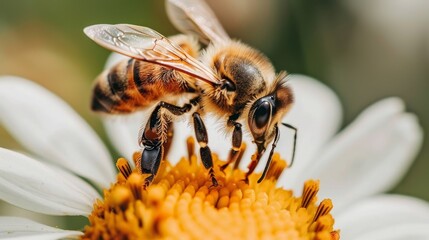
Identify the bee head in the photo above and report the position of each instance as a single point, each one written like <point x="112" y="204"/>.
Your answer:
<point x="267" y="111"/>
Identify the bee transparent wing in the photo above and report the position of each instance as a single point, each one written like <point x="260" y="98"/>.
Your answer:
<point x="148" y="45"/>
<point x="196" y="17"/>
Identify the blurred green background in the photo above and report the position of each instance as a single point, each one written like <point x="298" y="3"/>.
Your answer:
<point x="364" y="50"/>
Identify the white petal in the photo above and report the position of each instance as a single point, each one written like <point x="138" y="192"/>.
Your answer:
<point x="50" y="128"/>
<point x="383" y="140"/>
<point x="182" y="130"/>
<point x="123" y="132"/>
<point x="22" y="229"/>
<point x="317" y="114"/>
<point x="35" y="186"/>
<point x="7" y="209"/>
<point x="384" y="213"/>
<point x="406" y="231"/>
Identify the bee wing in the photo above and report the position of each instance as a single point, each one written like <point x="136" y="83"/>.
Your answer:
<point x="148" y="45"/>
<point x="196" y="17"/>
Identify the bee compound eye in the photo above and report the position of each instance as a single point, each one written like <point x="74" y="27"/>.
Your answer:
<point x="262" y="115"/>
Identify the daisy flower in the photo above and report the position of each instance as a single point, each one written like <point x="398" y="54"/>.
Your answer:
<point x="62" y="149"/>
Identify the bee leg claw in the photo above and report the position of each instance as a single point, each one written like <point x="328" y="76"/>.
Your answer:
<point x="251" y="167"/>
<point x="223" y="167"/>
<point x="213" y="178"/>
<point x="148" y="181"/>
<point x="246" y="180"/>
<point x="215" y="184"/>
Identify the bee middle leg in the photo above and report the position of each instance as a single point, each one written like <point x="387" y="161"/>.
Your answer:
<point x="237" y="136"/>
<point x="155" y="136"/>
<point x="203" y="139"/>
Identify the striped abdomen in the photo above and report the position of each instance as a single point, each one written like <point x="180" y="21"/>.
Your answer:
<point x="132" y="85"/>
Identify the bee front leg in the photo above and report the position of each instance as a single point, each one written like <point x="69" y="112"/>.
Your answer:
<point x="155" y="137"/>
<point x="237" y="136"/>
<point x="255" y="160"/>
<point x="270" y="157"/>
<point x="205" y="153"/>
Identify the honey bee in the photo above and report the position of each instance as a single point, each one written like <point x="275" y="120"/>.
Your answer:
<point x="229" y="79"/>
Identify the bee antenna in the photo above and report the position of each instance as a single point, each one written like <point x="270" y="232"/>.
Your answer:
<point x="294" y="141"/>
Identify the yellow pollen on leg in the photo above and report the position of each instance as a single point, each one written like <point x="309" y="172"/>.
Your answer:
<point x="181" y="203"/>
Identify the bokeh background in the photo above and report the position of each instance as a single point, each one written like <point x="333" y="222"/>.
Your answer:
<point x="364" y="50"/>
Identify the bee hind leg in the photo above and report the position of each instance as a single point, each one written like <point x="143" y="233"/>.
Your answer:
<point x="169" y="139"/>
<point x="155" y="138"/>
<point x="150" y="161"/>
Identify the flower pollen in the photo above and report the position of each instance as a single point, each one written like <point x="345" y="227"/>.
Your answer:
<point x="181" y="203"/>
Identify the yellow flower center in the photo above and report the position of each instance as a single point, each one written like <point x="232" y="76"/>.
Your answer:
<point x="182" y="204"/>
